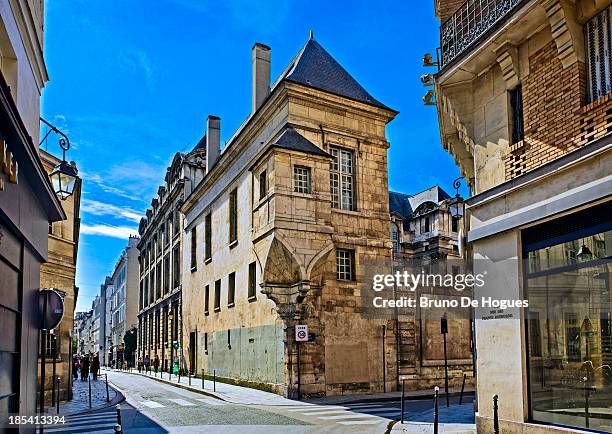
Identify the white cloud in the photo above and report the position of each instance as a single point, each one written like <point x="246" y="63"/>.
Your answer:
<point x="122" y="232"/>
<point x="98" y="208"/>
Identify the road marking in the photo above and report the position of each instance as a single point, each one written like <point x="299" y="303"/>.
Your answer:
<point x="181" y="402"/>
<point x="318" y="408"/>
<point x="374" y="410"/>
<point x="152" y="404"/>
<point x="364" y="406"/>
<point x="359" y="422"/>
<point x="347" y="416"/>
<point x="317" y="413"/>
<point x="210" y="401"/>
<point x="84" y="428"/>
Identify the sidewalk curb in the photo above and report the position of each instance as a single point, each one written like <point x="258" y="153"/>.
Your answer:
<point x="119" y="397"/>
<point x="182" y="386"/>
<point x="365" y="398"/>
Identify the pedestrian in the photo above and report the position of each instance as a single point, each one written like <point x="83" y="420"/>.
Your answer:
<point x="156" y="363"/>
<point x="139" y="364"/>
<point x="147" y="362"/>
<point x="85" y="368"/>
<point x="75" y="367"/>
<point x="95" y="367"/>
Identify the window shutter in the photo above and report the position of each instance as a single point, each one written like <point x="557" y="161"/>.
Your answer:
<point x="598" y="37"/>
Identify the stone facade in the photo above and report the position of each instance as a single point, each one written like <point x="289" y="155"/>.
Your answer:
<point x="273" y="248"/>
<point x="425" y="231"/>
<point x="159" y="310"/>
<point x="59" y="272"/>
<point x="518" y="113"/>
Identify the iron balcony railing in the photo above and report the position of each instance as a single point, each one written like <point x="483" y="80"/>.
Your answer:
<point x="472" y="20"/>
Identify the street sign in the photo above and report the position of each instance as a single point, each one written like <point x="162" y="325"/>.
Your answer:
<point x="51" y="307"/>
<point x="301" y="333"/>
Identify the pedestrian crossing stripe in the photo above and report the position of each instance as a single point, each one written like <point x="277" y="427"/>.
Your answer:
<point x="84" y="428"/>
<point x="181" y="402"/>
<point x="358" y="422"/>
<point x="152" y="404"/>
<point x="211" y="401"/>
<point x="318" y="408"/>
<point x="347" y="416"/>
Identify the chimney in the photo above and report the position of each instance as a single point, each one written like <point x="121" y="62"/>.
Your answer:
<point x="261" y="74"/>
<point x="213" y="141"/>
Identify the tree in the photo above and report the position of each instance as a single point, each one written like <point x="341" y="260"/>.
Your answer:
<point x="129" y="344"/>
<point x="75" y="345"/>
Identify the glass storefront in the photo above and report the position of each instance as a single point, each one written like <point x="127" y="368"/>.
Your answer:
<point x="569" y="322"/>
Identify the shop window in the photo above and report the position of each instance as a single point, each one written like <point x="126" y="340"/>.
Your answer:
<point x="568" y="262"/>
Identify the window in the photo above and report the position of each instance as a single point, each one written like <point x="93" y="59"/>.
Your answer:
<point x="194" y="249"/>
<point x="205" y="343"/>
<point x="427" y="228"/>
<point x="301" y="179"/>
<point x="168" y="229"/>
<point x="231" y="289"/>
<point x="454" y="224"/>
<point x="176" y="222"/>
<point x="218" y="295"/>
<point x="263" y="184"/>
<point x="158" y="281"/>
<point x="252" y="291"/>
<point x="206" y="299"/>
<point x="233" y="216"/>
<point x="345" y="260"/>
<point x="598" y="41"/>
<point x="516" y="107"/>
<point x="395" y="237"/>
<point x="341" y="177"/>
<point x="176" y="268"/>
<point x="207" y="237"/>
<point x="567" y="323"/>
<point x="167" y="273"/>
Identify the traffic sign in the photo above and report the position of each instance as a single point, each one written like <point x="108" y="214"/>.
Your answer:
<point x="301" y="333"/>
<point x="51" y="306"/>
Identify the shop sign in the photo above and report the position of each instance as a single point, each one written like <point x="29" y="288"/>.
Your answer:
<point x="8" y="164"/>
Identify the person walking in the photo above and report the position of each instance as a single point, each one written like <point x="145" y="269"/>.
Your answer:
<point x="95" y="367"/>
<point x="156" y="363"/>
<point x="147" y="362"/>
<point x="85" y="368"/>
<point x="75" y="367"/>
<point x="139" y="364"/>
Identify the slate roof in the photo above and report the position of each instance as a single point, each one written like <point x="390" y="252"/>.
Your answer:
<point x="201" y="144"/>
<point x="405" y="204"/>
<point x="292" y="140"/>
<point x="315" y="67"/>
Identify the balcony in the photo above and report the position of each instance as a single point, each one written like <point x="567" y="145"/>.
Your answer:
<point x="473" y="20"/>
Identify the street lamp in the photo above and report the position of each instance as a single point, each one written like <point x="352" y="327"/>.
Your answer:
<point x="64" y="175"/>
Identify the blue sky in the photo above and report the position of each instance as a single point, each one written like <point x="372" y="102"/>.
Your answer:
<point x="132" y="83"/>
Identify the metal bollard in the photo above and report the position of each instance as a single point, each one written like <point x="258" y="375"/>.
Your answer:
<point x="462" y="389"/>
<point x="179" y="377"/>
<point x="214" y="380"/>
<point x="189" y="375"/>
<point x="403" y="397"/>
<point x="107" y="395"/>
<point x="169" y="375"/>
<point x="202" y="378"/>
<point x="118" y="429"/>
<point x="495" y="415"/>
<point x="89" y="384"/>
<point x="58" y="394"/>
<point x="435" y="427"/>
<point x="118" y="410"/>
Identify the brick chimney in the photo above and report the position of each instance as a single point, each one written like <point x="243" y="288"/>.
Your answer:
<point x="213" y="141"/>
<point x="261" y="74"/>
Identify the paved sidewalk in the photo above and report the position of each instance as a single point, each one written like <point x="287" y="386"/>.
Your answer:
<point x="454" y="419"/>
<point x="80" y="397"/>
<point x="226" y="392"/>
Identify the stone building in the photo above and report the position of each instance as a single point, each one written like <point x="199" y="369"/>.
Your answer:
<point x="160" y="315"/>
<point x="123" y="302"/>
<point x="280" y="230"/>
<point x="425" y="231"/>
<point x="28" y="203"/>
<point x="59" y="272"/>
<point x="524" y="100"/>
<point x="107" y="290"/>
